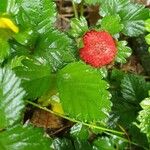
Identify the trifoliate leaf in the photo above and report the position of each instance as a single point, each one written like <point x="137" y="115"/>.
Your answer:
<point x="132" y="15"/>
<point x="57" y="48"/>
<point x="112" y="24"/>
<point x="24" y="138"/>
<point x="78" y="27"/>
<point x="39" y="14"/>
<point x="123" y="52"/>
<point x="144" y="117"/>
<point x="4" y="49"/>
<point x="134" y="88"/>
<point x="11" y="98"/>
<point x="36" y="77"/>
<point x="83" y="93"/>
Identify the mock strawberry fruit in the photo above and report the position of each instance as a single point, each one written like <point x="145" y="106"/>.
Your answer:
<point x="99" y="48"/>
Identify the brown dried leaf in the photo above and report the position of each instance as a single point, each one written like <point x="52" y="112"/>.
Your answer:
<point x="133" y="66"/>
<point x="46" y="119"/>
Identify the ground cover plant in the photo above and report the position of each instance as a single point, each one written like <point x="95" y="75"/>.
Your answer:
<point x="83" y="88"/>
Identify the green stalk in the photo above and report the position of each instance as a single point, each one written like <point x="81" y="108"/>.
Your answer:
<point x="106" y="130"/>
<point x="75" y="9"/>
<point x="73" y="120"/>
<point x="82" y="8"/>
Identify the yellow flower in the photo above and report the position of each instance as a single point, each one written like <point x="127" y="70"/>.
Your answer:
<point x="6" y="23"/>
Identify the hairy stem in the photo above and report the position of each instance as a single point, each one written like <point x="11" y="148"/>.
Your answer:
<point x="75" y="9"/>
<point x="106" y="130"/>
<point x="82" y="8"/>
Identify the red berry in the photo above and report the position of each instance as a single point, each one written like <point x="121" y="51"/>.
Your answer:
<point x="99" y="48"/>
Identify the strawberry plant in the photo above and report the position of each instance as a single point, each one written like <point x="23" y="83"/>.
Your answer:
<point x="83" y="88"/>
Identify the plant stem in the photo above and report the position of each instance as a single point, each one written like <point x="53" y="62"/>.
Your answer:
<point x="73" y="120"/>
<point x="106" y="130"/>
<point x="75" y="9"/>
<point x="82" y="8"/>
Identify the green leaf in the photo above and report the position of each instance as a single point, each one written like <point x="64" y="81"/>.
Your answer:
<point x="26" y="37"/>
<point x="103" y="143"/>
<point x="109" y="143"/>
<point x="5" y="49"/>
<point x="39" y="14"/>
<point x="117" y="75"/>
<point x="17" y="49"/>
<point x="79" y="131"/>
<point x="134" y="88"/>
<point x="83" y="93"/>
<point x="103" y="71"/>
<point x="57" y="48"/>
<point x="12" y="7"/>
<point x="82" y="145"/>
<point x="63" y="144"/>
<point x="67" y="144"/>
<point x="3" y="6"/>
<point x="147" y="25"/>
<point x="123" y="111"/>
<point x="24" y="138"/>
<point x="132" y="15"/>
<point x="123" y="52"/>
<point x="128" y="90"/>
<point x="16" y="61"/>
<point x="36" y="77"/>
<point x="149" y="49"/>
<point x="144" y="117"/>
<point x="138" y="137"/>
<point x="147" y="38"/>
<point x="93" y="2"/>
<point x="78" y="27"/>
<point x="113" y="7"/>
<point x="112" y="24"/>
<point x="11" y="98"/>
<point x="115" y="79"/>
